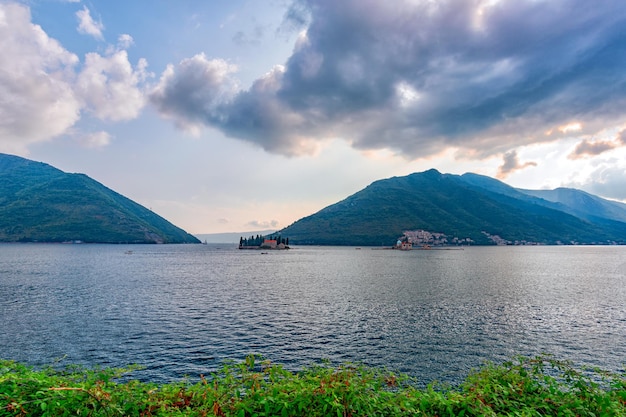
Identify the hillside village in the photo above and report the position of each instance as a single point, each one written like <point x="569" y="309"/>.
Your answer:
<point x="423" y="238"/>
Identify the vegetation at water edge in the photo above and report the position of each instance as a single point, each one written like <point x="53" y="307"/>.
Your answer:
<point x="524" y="387"/>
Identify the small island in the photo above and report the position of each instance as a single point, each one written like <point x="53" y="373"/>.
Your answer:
<point x="263" y="242"/>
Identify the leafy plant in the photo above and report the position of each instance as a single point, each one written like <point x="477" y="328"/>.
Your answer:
<point x="524" y="387"/>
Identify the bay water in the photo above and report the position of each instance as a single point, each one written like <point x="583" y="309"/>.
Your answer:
<point x="184" y="310"/>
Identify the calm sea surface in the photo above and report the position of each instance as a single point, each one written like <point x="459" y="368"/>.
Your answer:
<point x="185" y="309"/>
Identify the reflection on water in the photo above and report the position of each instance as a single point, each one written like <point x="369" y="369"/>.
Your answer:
<point x="183" y="310"/>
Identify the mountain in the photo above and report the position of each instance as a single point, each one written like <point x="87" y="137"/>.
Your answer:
<point x="41" y="203"/>
<point x="470" y="206"/>
<point x="582" y="204"/>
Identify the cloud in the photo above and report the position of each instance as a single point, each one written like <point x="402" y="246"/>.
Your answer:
<point x="110" y="87"/>
<point x="125" y="41"/>
<point x="95" y="139"/>
<point x="608" y="181"/>
<point x="254" y="37"/>
<point x="192" y="92"/>
<point x="512" y="164"/>
<point x="593" y="148"/>
<point x="88" y="26"/>
<point x="588" y="148"/>
<point x="416" y="77"/>
<point x="44" y="89"/>
<point x="271" y="224"/>
<point x="37" y="100"/>
<point x="297" y="17"/>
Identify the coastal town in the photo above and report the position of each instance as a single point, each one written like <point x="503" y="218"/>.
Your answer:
<point x="424" y="239"/>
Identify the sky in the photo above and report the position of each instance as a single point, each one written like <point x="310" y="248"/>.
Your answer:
<point x="234" y="116"/>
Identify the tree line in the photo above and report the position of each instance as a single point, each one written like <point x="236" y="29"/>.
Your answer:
<point x="259" y="239"/>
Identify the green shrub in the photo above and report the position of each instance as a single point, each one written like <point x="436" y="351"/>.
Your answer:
<point x="539" y="386"/>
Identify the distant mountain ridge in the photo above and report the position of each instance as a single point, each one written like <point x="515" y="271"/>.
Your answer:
<point x="471" y="207"/>
<point x="40" y="203"/>
<point x="576" y="202"/>
<point x="582" y="204"/>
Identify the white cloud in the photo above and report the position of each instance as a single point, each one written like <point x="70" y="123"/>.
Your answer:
<point x="125" y="41"/>
<point x="264" y="224"/>
<point x="109" y="86"/>
<point x="37" y="101"/>
<point x="95" y="139"/>
<point x="88" y="26"/>
<point x="44" y="88"/>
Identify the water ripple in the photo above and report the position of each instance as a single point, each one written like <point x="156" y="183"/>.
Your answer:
<point x="184" y="310"/>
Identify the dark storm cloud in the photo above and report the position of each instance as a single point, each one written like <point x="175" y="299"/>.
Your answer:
<point x="416" y="76"/>
<point x="192" y="93"/>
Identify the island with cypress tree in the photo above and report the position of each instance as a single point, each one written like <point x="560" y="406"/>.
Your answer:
<point x="263" y="242"/>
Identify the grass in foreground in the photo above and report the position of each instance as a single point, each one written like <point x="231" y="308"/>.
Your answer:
<point x="538" y="386"/>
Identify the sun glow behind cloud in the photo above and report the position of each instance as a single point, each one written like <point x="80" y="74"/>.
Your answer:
<point x="482" y="8"/>
<point x="571" y="127"/>
<point x="407" y="95"/>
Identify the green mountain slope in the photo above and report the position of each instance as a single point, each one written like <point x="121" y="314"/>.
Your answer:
<point x="41" y="203"/>
<point x="449" y="204"/>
